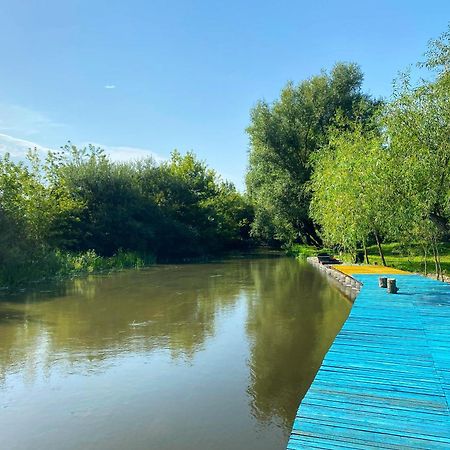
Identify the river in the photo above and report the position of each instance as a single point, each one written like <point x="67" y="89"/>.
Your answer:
<point x="194" y="356"/>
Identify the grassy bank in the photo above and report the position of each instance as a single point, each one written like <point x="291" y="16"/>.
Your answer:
<point x="411" y="259"/>
<point x="45" y="265"/>
<point x="57" y="264"/>
<point x="303" y="251"/>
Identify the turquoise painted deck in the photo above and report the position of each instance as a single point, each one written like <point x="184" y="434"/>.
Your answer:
<point x="385" y="382"/>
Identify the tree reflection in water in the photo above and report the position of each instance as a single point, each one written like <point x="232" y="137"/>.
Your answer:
<point x="292" y="320"/>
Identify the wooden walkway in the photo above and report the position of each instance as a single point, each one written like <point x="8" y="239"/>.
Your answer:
<point x="363" y="269"/>
<point x="385" y="382"/>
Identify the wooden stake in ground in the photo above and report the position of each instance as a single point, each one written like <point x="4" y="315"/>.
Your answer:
<point x="392" y="286"/>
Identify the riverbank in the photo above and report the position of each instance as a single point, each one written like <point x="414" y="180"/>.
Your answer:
<point x="396" y="256"/>
<point x="349" y="286"/>
<point x="56" y="264"/>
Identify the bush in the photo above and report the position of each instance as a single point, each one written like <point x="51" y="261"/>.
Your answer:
<point x="90" y="262"/>
<point x="302" y="251"/>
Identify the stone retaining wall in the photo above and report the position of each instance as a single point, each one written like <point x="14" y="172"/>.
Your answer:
<point x="345" y="283"/>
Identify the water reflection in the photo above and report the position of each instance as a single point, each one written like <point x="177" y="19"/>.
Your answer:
<point x="235" y="343"/>
<point x="292" y="321"/>
<point x="160" y="308"/>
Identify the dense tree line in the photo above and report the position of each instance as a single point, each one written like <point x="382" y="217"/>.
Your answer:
<point x="328" y="160"/>
<point x="283" y="137"/>
<point x="78" y="200"/>
<point x="391" y="183"/>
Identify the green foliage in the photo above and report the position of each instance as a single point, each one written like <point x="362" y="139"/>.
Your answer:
<point x="90" y="262"/>
<point x="114" y="214"/>
<point x="29" y="209"/>
<point x="284" y="135"/>
<point x="392" y="180"/>
<point x="56" y="263"/>
<point x="351" y="189"/>
<point x="177" y="209"/>
<point x="302" y="251"/>
<point x="79" y="212"/>
<point x="417" y="122"/>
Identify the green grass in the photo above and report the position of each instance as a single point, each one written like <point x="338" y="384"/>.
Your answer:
<point x="302" y="251"/>
<point x="411" y="258"/>
<point x="90" y="262"/>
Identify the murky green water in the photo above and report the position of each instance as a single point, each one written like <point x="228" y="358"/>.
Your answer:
<point x="201" y="356"/>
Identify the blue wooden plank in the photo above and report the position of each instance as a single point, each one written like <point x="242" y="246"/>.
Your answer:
<point x="398" y="414"/>
<point x="385" y="382"/>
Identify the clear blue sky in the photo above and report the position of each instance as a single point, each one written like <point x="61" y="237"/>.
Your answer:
<point x="138" y="76"/>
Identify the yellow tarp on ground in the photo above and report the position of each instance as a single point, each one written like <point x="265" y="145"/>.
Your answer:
<point x="355" y="269"/>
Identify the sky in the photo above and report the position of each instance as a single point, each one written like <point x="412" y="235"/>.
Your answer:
<point x="142" y="78"/>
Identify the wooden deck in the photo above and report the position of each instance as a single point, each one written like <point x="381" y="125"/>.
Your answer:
<point x="363" y="269"/>
<point x="385" y="382"/>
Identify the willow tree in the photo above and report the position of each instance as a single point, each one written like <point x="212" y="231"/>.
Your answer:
<point x="393" y="182"/>
<point x="350" y="189"/>
<point x="284" y="135"/>
<point x="418" y="125"/>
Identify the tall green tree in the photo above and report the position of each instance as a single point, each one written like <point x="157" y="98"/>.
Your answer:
<point x="417" y="123"/>
<point x="284" y="135"/>
<point x="351" y="189"/>
<point x="392" y="181"/>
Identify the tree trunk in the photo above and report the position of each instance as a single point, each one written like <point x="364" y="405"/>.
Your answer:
<point x="439" y="263"/>
<point x="425" y="261"/>
<point x="309" y="232"/>
<point x="366" y="255"/>
<point x="380" y="250"/>
<point x="435" y="260"/>
<point x="440" y="267"/>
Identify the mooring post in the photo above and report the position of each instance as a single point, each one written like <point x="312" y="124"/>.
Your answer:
<point x="382" y="282"/>
<point x="392" y="286"/>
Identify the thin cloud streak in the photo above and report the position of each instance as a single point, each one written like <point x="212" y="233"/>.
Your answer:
<point x="19" y="120"/>
<point x="126" y="153"/>
<point x="18" y="149"/>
